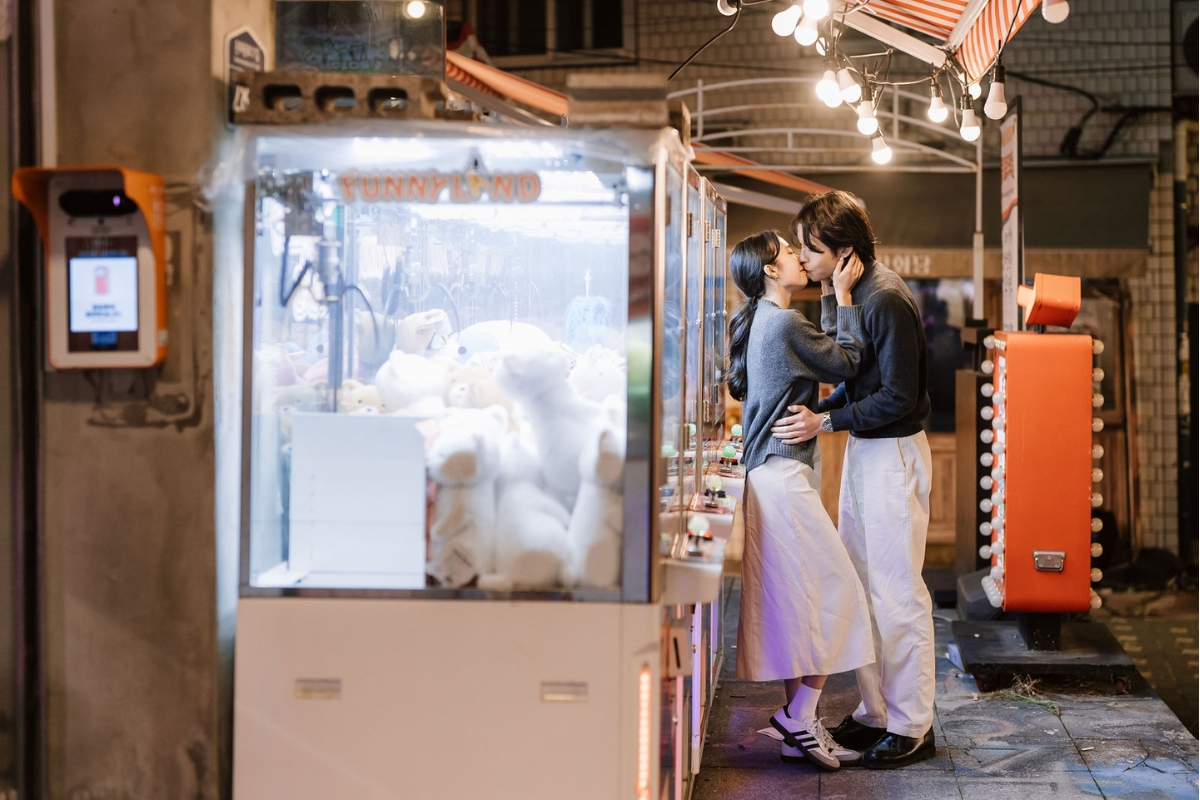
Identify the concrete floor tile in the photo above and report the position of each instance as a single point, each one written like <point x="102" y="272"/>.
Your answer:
<point x="1105" y="756"/>
<point x="1058" y="787"/>
<point x="784" y="783"/>
<point x="1025" y="761"/>
<point x="1000" y="722"/>
<point x="1144" y="783"/>
<point x="901" y="784"/>
<point x="1121" y="718"/>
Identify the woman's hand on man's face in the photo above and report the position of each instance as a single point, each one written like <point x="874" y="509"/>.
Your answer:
<point x="800" y="427"/>
<point x="845" y="275"/>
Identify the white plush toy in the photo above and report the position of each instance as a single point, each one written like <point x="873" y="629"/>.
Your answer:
<point x="598" y="373"/>
<point x="411" y="384"/>
<point x="537" y="381"/>
<point x="464" y="460"/>
<point x="509" y="337"/>
<point x="531" y="526"/>
<point x="424" y="332"/>
<point x="594" y="533"/>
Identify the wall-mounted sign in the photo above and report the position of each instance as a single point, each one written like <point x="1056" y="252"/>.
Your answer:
<point x="433" y="187"/>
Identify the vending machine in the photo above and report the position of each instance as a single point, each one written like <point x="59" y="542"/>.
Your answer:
<point x="475" y="386"/>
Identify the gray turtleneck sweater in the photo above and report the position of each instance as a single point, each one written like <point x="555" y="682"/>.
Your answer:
<point x="787" y="357"/>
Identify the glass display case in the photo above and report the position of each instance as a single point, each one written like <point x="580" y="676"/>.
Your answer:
<point x="455" y="339"/>
<point x="393" y="37"/>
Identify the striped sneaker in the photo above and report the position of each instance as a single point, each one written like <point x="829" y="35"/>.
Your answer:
<point x="802" y="741"/>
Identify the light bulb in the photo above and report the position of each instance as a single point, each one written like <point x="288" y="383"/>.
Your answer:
<point x="986" y="459"/>
<point x="997" y="498"/>
<point x="986" y="436"/>
<point x="969" y="129"/>
<point x="989" y="342"/>
<point x="1096" y="575"/>
<point x="997" y="573"/>
<point x="806" y="31"/>
<point x="850" y="88"/>
<point x="784" y="23"/>
<point x="985" y="506"/>
<point x="1055" y="11"/>
<point x="415" y="9"/>
<point x="1097" y="475"/>
<point x="867" y="124"/>
<point x="1097" y="451"/>
<point x="816" y="9"/>
<point x="987" y="390"/>
<point x="997" y="473"/>
<point x="1097" y="526"/>
<point x="995" y="107"/>
<point x="1097" y="500"/>
<point x="1096" y="602"/>
<point x="1097" y="549"/>
<point x="880" y="152"/>
<point x="1097" y="400"/>
<point x="727" y="7"/>
<point x="988" y="367"/>
<point x="937" y="109"/>
<point x="987" y="412"/>
<point x="1097" y="375"/>
<point x="975" y="90"/>
<point x="985" y="552"/>
<point x="986" y="483"/>
<point x="1097" y="347"/>
<point x="998" y="448"/>
<point x="821" y="46"/>
<point x="998" y="423"/>
<point x="828" y="91"/>
<point x="985" y="529"/>
<point x="1097" y="424"/>
<point x="997" y="549"/>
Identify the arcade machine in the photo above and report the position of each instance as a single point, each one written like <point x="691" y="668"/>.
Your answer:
<point x="467" y="568"/>
<point x="1039" y="464"/>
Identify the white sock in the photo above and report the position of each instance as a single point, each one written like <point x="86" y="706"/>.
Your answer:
<point x="804" y="704"/>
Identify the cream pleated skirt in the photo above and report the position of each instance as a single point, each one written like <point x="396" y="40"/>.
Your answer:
<point x="803" y="610"/>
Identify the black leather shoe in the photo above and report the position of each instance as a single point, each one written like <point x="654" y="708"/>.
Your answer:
<point x="854" y="735"/>
<point x="894" y="751"/>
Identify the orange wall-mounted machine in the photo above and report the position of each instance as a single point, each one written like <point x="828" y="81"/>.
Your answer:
<point x="1043" y="393"/>
<point x="103" y="235"/>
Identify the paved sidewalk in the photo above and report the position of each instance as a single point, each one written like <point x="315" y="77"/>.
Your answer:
<point x="1074" y="739"/>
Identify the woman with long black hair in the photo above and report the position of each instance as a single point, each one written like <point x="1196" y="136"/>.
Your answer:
<point x="803" y="613"/>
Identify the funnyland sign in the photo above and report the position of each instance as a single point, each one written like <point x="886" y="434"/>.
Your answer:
<point x="432" y="186"/>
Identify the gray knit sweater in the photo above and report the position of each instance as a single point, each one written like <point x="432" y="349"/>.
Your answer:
<point x="787" y="357"/>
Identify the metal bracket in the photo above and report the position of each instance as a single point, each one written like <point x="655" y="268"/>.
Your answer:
<point x="1048" y="560"/>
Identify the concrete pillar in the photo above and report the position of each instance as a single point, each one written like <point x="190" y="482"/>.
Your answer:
<point x="138" y="645"/>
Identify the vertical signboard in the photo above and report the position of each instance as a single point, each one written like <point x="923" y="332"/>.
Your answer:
<point x="1011" y="249"/>
<point x="243" y="53"/>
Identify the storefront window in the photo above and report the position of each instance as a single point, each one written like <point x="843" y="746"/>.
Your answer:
<point x="945" y="306"/>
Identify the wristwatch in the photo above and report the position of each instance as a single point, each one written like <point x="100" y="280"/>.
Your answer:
<point x="827" y="422"/>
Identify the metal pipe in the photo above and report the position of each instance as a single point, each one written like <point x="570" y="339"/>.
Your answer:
<point x="977" y="239"/>
<point x="1186" y="497"/>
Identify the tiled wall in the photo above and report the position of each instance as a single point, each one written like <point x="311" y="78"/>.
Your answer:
<point x="1118" y="50"/>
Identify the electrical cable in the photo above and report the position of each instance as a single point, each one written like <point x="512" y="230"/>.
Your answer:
<point x="701" y="49"/>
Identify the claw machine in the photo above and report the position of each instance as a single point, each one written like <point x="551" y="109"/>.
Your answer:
<point x="467" y="399"/>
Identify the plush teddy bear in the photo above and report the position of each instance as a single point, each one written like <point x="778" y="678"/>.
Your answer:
<point x="411" y="384"/>
<point x="302" y="396"/>
<point x="531" y="526"/>
<point x="598" y="373"/>
<point x="464" y="460"/>
<point x="355" y="396"/>
<point x="536" y="380"/>
<point x="594" y="533"/>
<point x="471" y="385"/>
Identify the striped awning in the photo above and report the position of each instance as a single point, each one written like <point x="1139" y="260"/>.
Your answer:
<point x="973" y="30"/>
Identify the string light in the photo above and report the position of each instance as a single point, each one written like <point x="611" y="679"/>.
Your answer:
<point x="975" y="90"/>
<point x="784" y="23"/>
<point x="806" y="31"/>
<point x="1055" y="11"/>
<point x="880" y="152"/>
<point x="969" y="128"/>
<point x="867" y="123"/>
<point x="995" y="107"/>
<point x="828" y="89"/>
<point x="851" y="89"/>
<point x="816" y="10"/>
<point x="937" y="107"/>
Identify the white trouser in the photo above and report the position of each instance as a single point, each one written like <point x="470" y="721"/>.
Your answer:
<point x="883" y="519"/>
